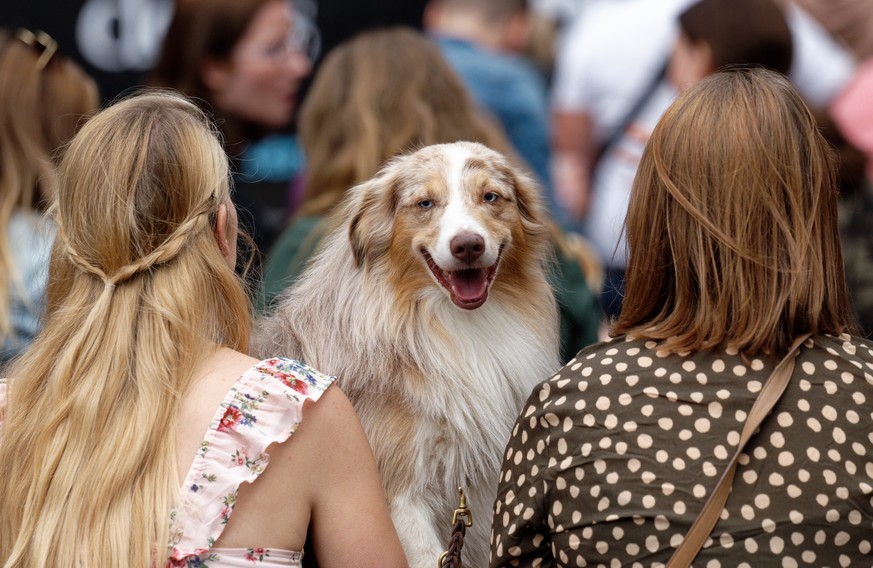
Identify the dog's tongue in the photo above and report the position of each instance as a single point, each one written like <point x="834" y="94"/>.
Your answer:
<point x="468" y="285"/>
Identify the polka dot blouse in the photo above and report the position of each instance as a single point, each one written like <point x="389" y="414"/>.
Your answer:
<point x="611" y="460"/>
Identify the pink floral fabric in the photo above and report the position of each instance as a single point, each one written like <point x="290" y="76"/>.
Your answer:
<point x="263" y="407"/>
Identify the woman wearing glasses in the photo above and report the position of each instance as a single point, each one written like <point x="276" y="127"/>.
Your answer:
<point x="244" y="60"/>
<point x="43" y="97"/>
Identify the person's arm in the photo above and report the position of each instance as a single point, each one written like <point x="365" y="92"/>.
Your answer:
<point x="350" y="523"/>
<point x="572" y="161"/>
<point x="519" y="531"/>
<point x="576" y="88"/>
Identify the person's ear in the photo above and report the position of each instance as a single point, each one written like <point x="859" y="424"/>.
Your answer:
<point x="433" y="15"/>
<point x="703" y="60"/>
<point x="517" y="32"/>
<point x="220" y="230"/>
<point x="215" y="74"/>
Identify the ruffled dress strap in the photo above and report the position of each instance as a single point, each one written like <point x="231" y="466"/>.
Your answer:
<point x="263" y="407"/>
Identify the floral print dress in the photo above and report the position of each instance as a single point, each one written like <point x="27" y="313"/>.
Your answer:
<point x="264" y="406"/>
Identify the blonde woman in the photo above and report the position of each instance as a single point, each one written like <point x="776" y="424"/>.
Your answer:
<point x="43" y="98"/>
<point x="135" y="432"/>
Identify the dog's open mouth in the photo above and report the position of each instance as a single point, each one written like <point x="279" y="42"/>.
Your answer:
<point x="468" y="287"/>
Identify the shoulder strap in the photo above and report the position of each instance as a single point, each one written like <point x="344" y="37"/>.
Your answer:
<point x="633" y="111"/>
<point x="708" y="517"/>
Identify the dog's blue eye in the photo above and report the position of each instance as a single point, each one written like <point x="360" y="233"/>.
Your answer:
<point x="425" y="203"/>
<point x="491" y="197"/>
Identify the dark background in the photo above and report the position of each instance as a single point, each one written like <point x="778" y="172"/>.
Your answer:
<point x="116" y="41"/>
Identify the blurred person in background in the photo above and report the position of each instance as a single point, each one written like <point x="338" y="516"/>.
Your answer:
<point x="713" y="34"/>
<point x="614" y="54"/>
<point x="244" y="61"/>
<point x="608" y="59"/>
<point x="485" y="41"/>
<point x="43" y="99"/>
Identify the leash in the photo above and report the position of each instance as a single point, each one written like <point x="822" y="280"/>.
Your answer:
<point x="461" y="519"/>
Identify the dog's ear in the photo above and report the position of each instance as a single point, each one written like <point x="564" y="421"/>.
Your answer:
<point x="530" y="200"/>
<point x="370" y="211"/>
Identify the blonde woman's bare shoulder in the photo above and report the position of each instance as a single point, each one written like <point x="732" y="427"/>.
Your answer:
<point x="213" y="379"/>
<point x="225" y="356"/>
<point x="226" y="366"/>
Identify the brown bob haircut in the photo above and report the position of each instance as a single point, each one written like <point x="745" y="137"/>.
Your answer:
<point x="732" y="223"/>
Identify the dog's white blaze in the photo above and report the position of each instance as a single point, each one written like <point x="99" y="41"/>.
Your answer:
<point x="456" y="216"/>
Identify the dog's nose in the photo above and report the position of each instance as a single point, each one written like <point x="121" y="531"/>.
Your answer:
<point x="467" y="247"/>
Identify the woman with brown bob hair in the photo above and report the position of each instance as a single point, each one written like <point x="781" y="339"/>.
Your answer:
<point x="733" y="238"/>
<point x="734" y="257"/>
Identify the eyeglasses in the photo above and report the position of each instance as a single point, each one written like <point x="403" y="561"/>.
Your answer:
<point x="303" y="39"/>
<point x="304" y="36"/>
<point x="41" y="42"/>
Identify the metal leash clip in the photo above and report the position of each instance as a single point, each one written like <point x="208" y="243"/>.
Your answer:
<point x="461" y="519"/>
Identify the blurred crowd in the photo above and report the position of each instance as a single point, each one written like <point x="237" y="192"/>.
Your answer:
<point x="310" y="100"/>
<point x="311" y="97"/>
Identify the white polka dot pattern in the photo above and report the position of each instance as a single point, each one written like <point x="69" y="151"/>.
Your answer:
<point x="612" y="458"/>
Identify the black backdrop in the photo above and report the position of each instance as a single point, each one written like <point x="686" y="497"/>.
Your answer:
<point x="116" y="40"/>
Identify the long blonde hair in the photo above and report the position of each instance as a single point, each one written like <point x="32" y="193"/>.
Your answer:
<point x="732" y="223"/>
<point x="40" y="108"/>
<point x="139" y="293"/>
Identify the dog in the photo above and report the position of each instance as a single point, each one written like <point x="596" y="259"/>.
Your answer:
<point x="431" y="304"/>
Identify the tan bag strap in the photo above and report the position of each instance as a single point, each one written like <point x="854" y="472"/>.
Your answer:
<point x="708" y="517"/>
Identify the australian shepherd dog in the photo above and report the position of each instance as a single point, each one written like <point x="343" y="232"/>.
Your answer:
<point x="430" y="303"/>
